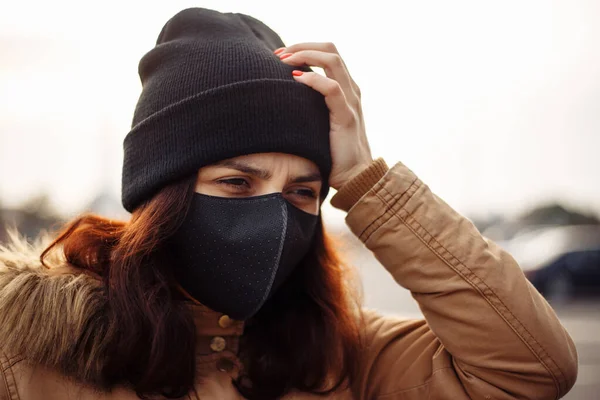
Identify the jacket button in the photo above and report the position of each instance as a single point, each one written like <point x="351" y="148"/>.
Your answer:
<point x="225" y="365"/>
<point x="218" y="344"/>
<point x="225" y="321"/>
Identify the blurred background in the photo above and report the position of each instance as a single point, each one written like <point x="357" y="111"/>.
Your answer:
<point x="495" y="105"/>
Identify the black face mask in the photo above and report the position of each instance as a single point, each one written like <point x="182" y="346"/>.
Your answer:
<point x="233" y="253"/>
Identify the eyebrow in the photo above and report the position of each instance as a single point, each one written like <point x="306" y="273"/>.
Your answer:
<point x="263" y="174"/>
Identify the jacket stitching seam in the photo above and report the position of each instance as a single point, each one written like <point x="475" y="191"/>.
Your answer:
<point x="377" y="220"/>
<point x="9" y="381"/>
<point x="390" y="201"/>
<point x="427" y="382"/>
<point x="388" y="211"/>
<point x="14" y="360"/>
<point x="485" y="291"/>
<point x="6" y="384"/>
<point x="12" y="386"/>
<point x="4" y="379"/>
<point x="7" y="358"/>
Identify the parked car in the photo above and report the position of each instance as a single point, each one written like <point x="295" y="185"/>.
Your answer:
<point x="538" y="246"/>
<point x="573" y="275"/>
<point x="562" y="262"/>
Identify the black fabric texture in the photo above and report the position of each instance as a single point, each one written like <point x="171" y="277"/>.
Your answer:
<point x="213" y="89"/>
<point x="232" y="254"/>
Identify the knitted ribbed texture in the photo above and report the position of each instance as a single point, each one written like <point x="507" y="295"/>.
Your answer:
<point x="358" y="186"/>
<point x="213" y="89"/>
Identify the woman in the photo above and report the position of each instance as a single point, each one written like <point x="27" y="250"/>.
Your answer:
<point x="223" y="285"/>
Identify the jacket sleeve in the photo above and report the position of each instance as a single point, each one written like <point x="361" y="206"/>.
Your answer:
<point x="487" y="334"/>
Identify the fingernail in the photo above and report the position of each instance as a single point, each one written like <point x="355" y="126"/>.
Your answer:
<point x="279" y="50"/>
<point x="297" y="73"/>
<point x="284" y="56"/>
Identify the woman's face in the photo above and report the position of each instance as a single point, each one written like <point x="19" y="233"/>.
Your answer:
<point x="296" y="178"/>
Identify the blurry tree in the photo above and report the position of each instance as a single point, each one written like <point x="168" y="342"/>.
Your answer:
<point x="555" y="214"/>
<point x="552" y="214"/>
<point x="29" y="219"/>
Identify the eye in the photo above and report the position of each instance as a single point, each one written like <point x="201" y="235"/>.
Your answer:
<point x="305" y="192"/>
<point x="235" y="183"/>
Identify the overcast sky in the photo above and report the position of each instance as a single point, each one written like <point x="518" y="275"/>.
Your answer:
<point x="496" y="105"/>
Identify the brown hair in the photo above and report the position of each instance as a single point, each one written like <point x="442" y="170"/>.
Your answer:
<point x="306" y="337"/>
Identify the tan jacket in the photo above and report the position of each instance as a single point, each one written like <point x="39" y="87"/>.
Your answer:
<point x="488" y="333"/>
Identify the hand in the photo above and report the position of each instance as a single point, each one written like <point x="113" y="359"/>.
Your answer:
<point x="350" y="151"/>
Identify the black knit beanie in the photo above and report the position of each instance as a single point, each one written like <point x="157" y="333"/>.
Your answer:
<point x="213" y="89"/>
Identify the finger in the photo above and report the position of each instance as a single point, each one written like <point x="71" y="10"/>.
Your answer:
<point x="333" y="92"/>
<point x="331" y="63"/>
<point x="326" y="47"/>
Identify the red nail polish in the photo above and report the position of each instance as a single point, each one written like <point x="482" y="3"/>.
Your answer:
<point x="297" y="73"/>
<point x="284" y="56"/>
<point x="279" y="50"/>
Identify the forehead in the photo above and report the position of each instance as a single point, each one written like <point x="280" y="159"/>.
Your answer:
<point x="272" y="161"/>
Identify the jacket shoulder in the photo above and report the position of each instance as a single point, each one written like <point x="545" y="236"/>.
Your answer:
<point x="53" y="316"/>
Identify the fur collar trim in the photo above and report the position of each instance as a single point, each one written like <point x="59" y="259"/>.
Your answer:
<point x="56" y="317"/>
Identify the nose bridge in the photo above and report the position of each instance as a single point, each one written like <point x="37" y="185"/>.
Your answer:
<point x="276" y="183"/>
<point x="270" y="189"/>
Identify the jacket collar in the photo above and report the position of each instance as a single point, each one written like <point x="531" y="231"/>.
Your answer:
<point x="28" y="288"/>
